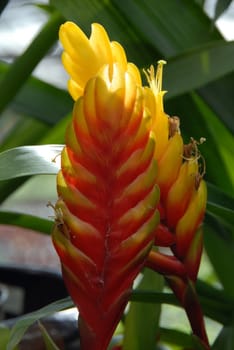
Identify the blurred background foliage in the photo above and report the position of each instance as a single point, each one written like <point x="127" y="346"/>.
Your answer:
<point x="199" y="78"/>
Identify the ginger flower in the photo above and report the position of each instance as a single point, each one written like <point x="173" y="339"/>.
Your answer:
<point x="122" y="148"/>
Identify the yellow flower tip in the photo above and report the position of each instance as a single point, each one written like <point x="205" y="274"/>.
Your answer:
<point x="84" y="56"/>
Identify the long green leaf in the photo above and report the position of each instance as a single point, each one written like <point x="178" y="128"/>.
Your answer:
<point x="24" y="65"/>
<point x="49" y="343"/>
<point x="220" y="249"/>
<point x="141" y="323"/>
<point x="222" y="106"/>
<point x="26" y="221"/>
<point x="29" y="131"/>
<point x="221" y="211"/>
<point x="220" y="204"/>
<point x="3" y="4"/>
<point x="25" y="131"/>
<point x="29" y="160"/>
<point x="218" y="196"/>
<point x="22" y="325"/>
<point x="4" y="337"/>
<point x="40" y="100"/>
<point x="215" y="304"/>
<point x="179" y="338"/>
<point x="170" y="27"/>
<point x="198" y="67"/>
<point x="220" y="7"/>
<point x="225" y="339"/>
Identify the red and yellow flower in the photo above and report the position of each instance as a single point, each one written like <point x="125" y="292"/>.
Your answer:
<point x="121" y="148"/>
<point x="107" y="192"/>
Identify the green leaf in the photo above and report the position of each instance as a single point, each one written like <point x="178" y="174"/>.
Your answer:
<point x="29" y="160"/>
<point x="3" y="4"/>
<point x="225" y="339"/>
<point x="221" y="211"/>
<point x="4" y="337"/>
<point x="26" y="221"/>
<point x="56" y="134"/>
<point x="21" y="69"/>
<point x="218" y="196"/>
<point x="220" y="7"/>
<point x="220" y="144"/>
<point x="216" y="304"/>
<point x="179" y="338"/>
<point x="49" y="343"/>
<point x="220" y="205"/>
<point x="25" y="131"/>
<point x="222" y="106"/>
<point x="153" y="297"/>
<point x="28" y="101"/>
<point x="165" y="27"/>
<point x="22" y="325"/>
<point x="220" y="249"/>
<point x="205" y="61"/>
<point x="141" y="323"/>
<point x="200" y="2"/>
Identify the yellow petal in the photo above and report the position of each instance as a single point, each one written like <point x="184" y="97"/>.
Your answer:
<point x="181" y="191"/>
<point x="188" y="224"/>
<point x="170" y="163"/>
<point x="119" y="55"/>
<point x="161" y="130"/>
<point x="83" y="57"/>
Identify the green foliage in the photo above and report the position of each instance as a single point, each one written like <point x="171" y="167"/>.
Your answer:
<point x="199" y="79"/>
<point x="21" y="326"/>
<point x="141" y="323"/>
<point x="29" y="160"/>
<point x="4" y="338"/>
<point x="220" y="7"/>
<point x="49" y="343"/>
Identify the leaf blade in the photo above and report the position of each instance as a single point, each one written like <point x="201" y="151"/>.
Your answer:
<point x="29" y="160"/>
<point x="22" y="325"/>
<point x="142" y="320"/>
<point x="27" y="221"/>
<point x="21" y="69"/>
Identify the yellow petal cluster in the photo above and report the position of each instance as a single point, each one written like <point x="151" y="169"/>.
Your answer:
<point x="83" y="57"/>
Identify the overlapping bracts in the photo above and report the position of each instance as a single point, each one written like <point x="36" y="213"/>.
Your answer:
<point x="120" y="148"/>
<point x="107" y="208"/>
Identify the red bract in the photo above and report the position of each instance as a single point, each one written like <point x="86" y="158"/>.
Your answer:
<point x="182" y="207"/>
<point x="106" y="212"/>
